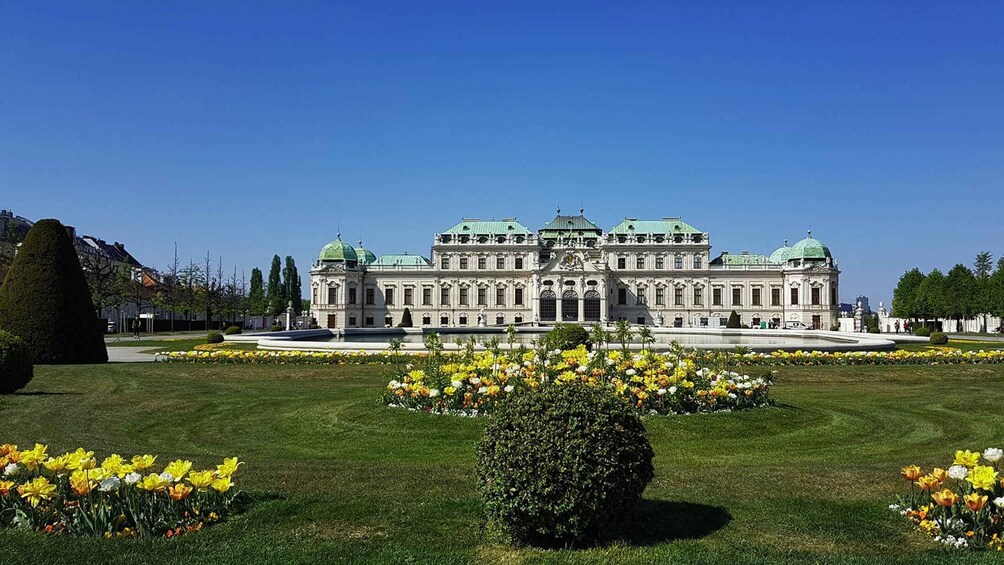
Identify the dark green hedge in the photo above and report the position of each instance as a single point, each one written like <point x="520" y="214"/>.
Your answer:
<point x="938" y="338"/>
<point x="15" y="363"/>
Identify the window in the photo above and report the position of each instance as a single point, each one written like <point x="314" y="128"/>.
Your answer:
<point x="500" y="262"/>
<point x="794" y="297"/>
<point x="756" y="297"/>
<point x="697" y="261"/>
<point x="427" y="296"/>
<point x="482" y="296"/>
<point x="388" y="321"/>
<point x="444" y="296"/>
<point x="388" y="296"/>
<point x="678" y="296"/>
<point x="659" y="262"/>
<point x="482" y="263"/>
<point x="315" y="296"/>
<point x="640" y="295"/>
<point x="444" y="263"/>
<point x="370" y="293"/>
<point x="519" y="296"/>
<point x="500" y="296"/>
<point x="332" y="295"/>
<point x="369" y="321"/>
<point x="444" y="320"/>
<point x="775" y="297"/>
<point x="499" y="320"/>
<point x="519" y="263"/>
<point x="409" y="298"/>
<point x="641" y="320"/>
<point x="463" y="297"/>
<point x="716" y="297"/>
<point x="737" y="296"/>
<point x="678" y="262"/>
<point x="639" y="262"/>
<point x="815" y="296"/>
<point x="621" y="263"/>
<point x="462" y="320"/>
<point x="517" y="319"/>
<point x="426" y="320"/>
<point x="833" y="295"/>
<point x="622" y="296"/>
<point x="463" y="262"/>
<point x="660" y="299"/>
<point x="699" y="298"/>
<point x="722" y="322"/>
<point x="352" y="321"/>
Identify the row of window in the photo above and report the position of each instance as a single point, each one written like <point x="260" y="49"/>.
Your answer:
<point x="482" y="263"/>
<point x="660" y="262"/>
<point x="444" y="320"/>
<point x="389" y="296"/>
<point x="756" y="298"/>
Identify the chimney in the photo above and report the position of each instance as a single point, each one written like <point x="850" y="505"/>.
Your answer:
<point x="71" y="231"/>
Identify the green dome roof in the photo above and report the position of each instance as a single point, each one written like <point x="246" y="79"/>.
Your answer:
<point x="365" y="255"/>
<point x="337" y="250"/>
<point x="809" y="248"/>
<point x="780" y="255"/>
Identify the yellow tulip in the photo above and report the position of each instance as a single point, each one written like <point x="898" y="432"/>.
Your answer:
<point x="982" y="477"/>
<point x="975" y="502"/>
<point x="143" y="462"/>
<point x="153" y="482"/>
<point x="5" y="487"/>
<point x="967" y="458"/>
<point x="222" y="484"/>
<point x="201" y="479"/>
<point x="229" y="467"/>
<point x="928" y="482"/>
<point x="945" y="497"/>
<point x="179" y="491"/>
<point x="178" y="469"/>
<point x="37" y="490"/>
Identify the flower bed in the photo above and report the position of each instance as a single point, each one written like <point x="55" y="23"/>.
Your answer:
<point x="475" y="383"/>
<point x="963" y="506"/>
<point x="71" y="494"/>
<point x="934" y="356"/>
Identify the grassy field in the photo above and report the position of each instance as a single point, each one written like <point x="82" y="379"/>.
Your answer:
<point x="173" y="344"/>
<point x="339" y="478"/>
<point x="963" y="345"/>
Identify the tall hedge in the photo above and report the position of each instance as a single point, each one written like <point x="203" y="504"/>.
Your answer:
<point x="15" y="363"/>
<point x="45" y="300"/>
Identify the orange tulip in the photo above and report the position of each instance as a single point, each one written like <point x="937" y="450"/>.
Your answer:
<point x="179" y="491"/>
<point x="940" y="474"/>
<point x="928" y="482"/>
<point x="945" y="497"/>
<point x="975" y="502"/>
<point x="911" y="473"/>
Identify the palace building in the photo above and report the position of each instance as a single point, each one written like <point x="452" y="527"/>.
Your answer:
<point x="499" y="272"/>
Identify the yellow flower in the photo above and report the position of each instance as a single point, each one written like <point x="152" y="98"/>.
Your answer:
<point x="910" y="473"/>
<point x="928" y="482"/>
<point x="975" y="502"/>
<point x="113" y="463"/>
<point x="143" y="462"/>
<point x="201" y="479"/>
<point x="229" y="467"/>
<point x="5" y="487"/>
<point x="57" y="464"/>
<point x="945" y="497"/>
<point x="222" y="484"/>
<point x="153" y="482"/>
<point x="37" y="490"/>
<point x="967" y="458"/>
<point x="982" y="477"/>
<point x="81" y="459"/>
<point x="79" y="483"/>
<point x="34" y="457"/>
<point x="178" y="469"/>
<point x="940" y="474"/>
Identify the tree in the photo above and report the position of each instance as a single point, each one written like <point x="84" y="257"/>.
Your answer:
<point x="904" y="298"/>
<point x="170" y="296"/>
<point x="275" y="294"/>
<point x="982" y="267"/>
<point x="256" y="296"/>
<point x="995" y="292"/>
<point x="931" y="300"/>
<point x="103" y="276"/>
<point x="405" y="319"/>
<point x="45" y="300"/>
<point x="190" y="284"/>
<point x="291" y="283"/>
<point x="960" y="293"/>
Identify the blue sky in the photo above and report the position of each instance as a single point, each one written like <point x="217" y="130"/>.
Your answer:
<point x="251" y="128"/>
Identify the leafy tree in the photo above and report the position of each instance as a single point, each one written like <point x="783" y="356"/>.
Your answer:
<point x="995" y="291"/>
<point x="960" y="293"/>
<point x="275" y="293"/>
<point x="291" y="282"/>
<point x="256" y="296"/>
<point x="983" y="267"/>
<point x="904" y="298"/>
<point x="46" y="302"/>
<point x="931" y="300"/>
<point x="104" y="280"/>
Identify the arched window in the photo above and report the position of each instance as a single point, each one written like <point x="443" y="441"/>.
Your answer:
<point x="569" y="306"/>
<point x="500" y="320"/>
<point x="462" y="320"/>
<point x="388" y="320"/>
<point x="548" y="306"/>
<point x="426" y="320"/>
<point x="444" y="320"/>
<point x="517" y="319"/>
<point x="591" y="306"/>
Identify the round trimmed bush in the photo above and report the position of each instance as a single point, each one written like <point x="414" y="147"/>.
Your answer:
<point x="561" y="466"/>
<point x="922" y="331"/>
<point x="938" y="338"/>
<point x="566" y="336"/>
<point x="233" y="330"/>
<point x="214" y="337"/>
<point x="277" y="328"/>
<point x="16" y="368"/>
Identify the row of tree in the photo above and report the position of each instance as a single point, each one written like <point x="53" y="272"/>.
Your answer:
<point x="962" y="294"/>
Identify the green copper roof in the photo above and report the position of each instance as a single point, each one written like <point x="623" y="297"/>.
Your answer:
<point x="744" y="259"/>
<point x="780" y="255"/>
<point x="653" y="227"/>
<point x="337" y="250"/>
<point x="570" y="223"/>
<point x="809" y="248"/>
<point x="488" y="227"/>
<point x="365" y="255"/>
<point x="400" y="260"/>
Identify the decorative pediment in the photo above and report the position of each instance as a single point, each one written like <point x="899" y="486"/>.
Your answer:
<point x="570" y="261"/>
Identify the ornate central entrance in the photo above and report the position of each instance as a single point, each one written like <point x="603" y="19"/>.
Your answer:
<point x="569" y="306"/>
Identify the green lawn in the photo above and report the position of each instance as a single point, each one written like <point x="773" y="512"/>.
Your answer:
<point x="963" y="345"/>
<point x="174" y="344"/>
<point x="340" y="478"/>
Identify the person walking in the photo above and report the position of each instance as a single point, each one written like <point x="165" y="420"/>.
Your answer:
<point x="897" y="326"/>
<point x="135" y="328"/>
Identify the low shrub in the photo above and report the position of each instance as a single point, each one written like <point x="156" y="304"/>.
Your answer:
<point x="277" y="328"/>
<point x="16" y="368"/>
<point x="566" y="337"/>
<point x="214" y="337"/>
<point x="922" y="331"/>
<point x="835" y="328"/>
<point x="873" y="330"/>
<point x="938" y="338"/>
<point x="233" y="330"/>
<point x="547" y="483"/>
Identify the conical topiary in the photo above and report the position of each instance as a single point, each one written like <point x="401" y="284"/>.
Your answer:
<point x="405" y="319"/>
<point x="734" y="323"/>
<point x="45" y="300"/>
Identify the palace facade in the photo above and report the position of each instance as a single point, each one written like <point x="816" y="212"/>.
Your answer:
<point x="657" y="272"/>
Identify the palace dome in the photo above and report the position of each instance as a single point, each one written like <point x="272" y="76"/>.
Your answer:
<point x="809" y="248"/>
<point x="780" y="255"/>
<point x="337" y="250"/>
<point x="364" y="255"/>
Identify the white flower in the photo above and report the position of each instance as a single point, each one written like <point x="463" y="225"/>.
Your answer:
<point x="999" y="502"/>
<point x="395" y="384"/>
<point x="109" y="484"/>
<point x="672" y="390"/>
<point x="457" y="384"/>
<point x="10" y="470"/>
<point x="958" y="472"/>
<point x="475" y="381"/>
<point x="482" y="390"/>
<point x="661" y="391"/>
<point x="433" y="392"/>
<point x="168" y="477"/>
<point x="132" y="478"/>
<point x="993" y="454"/>
<point x="631" y="372"/>
<point x="509" y="388"/>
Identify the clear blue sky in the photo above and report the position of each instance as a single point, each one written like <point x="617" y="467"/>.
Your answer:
<point x="250" y="129"/>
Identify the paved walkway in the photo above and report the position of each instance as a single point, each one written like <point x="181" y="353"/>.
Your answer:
<point x="996" y="338"/>
<point x="129" y="355"/>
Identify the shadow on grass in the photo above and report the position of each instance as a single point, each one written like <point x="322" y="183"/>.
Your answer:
<point x="661" y="521"/>
<point x="44" y="393"/>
